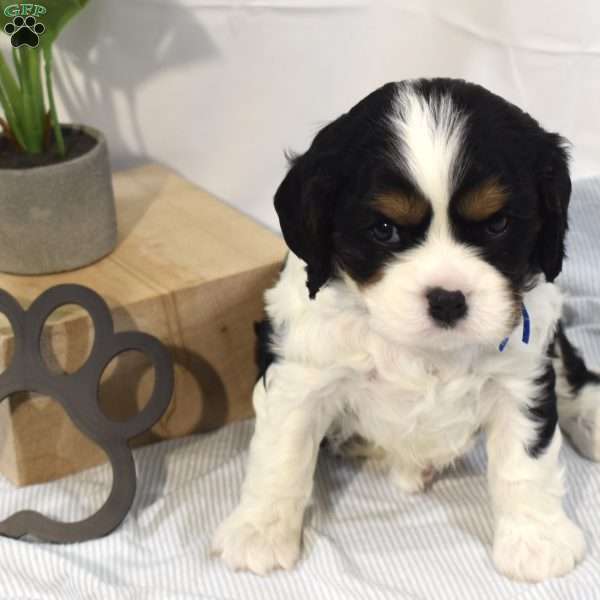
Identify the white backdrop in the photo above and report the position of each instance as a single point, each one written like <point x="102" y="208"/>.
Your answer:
<point x="218" y="89"/>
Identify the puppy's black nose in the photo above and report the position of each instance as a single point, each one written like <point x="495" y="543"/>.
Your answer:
<point x="446" y="307"/>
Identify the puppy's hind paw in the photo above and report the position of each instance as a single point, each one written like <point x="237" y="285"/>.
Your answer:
<point x="580" y="420"/>
<point x="411" y="480"/>
<point x="260" y="545"/>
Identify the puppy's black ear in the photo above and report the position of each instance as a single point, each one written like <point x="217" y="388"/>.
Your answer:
<point x="554" y="188"/>
<point x="308" y="197"/>
<point x="305" y="203"/>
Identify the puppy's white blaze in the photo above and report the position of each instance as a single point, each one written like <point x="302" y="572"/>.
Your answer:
<point x="430" y="136"/>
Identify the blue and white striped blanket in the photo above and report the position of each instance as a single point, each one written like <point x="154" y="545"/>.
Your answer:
<point x="363" y="539"/>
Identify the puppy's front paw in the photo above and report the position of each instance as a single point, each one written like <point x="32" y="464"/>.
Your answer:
<point x="529" y="550"/>
<point x="259" y="544"/>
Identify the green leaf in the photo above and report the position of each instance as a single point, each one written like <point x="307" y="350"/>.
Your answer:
<point x="58" y="136"/>
<point x="11" y="88"/>
<point x="13" y="122"/>
<point x="31" y="118"/>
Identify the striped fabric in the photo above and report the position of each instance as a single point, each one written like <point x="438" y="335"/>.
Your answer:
<point x="581" y="274"/>
<point x="363" y="539"/>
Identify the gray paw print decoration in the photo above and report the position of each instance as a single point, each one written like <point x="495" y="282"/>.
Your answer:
<point x="78" y="395"/>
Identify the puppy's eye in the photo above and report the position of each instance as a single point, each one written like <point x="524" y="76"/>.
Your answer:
<point x="385" y="233"/>
<point x="497" y="225"/>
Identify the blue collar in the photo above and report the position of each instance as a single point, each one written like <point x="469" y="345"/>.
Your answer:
<point x="526" y="330"/>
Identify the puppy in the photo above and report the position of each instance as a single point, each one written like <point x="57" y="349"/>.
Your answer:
<point x="416" y="308"/>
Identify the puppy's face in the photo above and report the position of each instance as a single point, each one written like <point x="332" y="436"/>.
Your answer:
<point x="438" y="202"/>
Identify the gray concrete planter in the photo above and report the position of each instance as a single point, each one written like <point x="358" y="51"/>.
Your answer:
<point x="57" y="217"/>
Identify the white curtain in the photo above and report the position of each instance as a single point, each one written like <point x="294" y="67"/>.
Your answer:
<point x="218" y="90"/>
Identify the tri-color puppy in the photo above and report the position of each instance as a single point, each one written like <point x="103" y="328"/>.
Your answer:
<point x="416" y="308"/>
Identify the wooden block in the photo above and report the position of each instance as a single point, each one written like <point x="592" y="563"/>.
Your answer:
<point x="189" y="270"/>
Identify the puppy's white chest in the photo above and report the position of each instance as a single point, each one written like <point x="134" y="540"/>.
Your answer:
<point x="422" y="410"/>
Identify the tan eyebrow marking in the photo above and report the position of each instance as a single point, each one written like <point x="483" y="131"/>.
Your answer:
<point x="402" y="209"/>
<point x="483" y="202"/>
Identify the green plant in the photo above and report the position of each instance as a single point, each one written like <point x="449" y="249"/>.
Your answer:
<point x="26" y="95"/>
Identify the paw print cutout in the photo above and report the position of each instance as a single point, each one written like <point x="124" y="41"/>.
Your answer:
<point x="78" y="395"/>
<point x="24" y="32"/>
